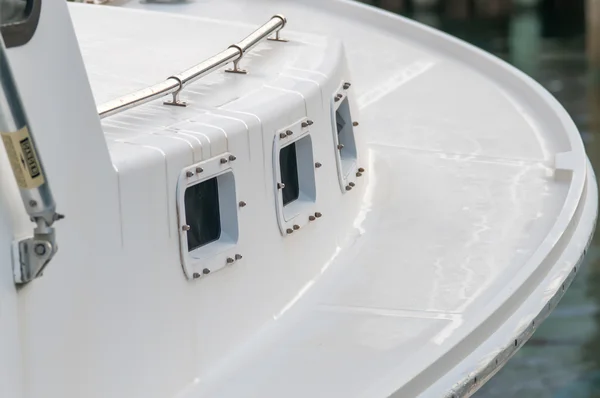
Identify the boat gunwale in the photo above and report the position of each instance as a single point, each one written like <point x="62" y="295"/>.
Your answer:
<point x="543" y="104"/>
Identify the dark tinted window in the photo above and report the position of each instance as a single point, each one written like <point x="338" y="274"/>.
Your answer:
<point x="18" y="20"/>
<point x="202" y="213"/>
<point x="343" y="121"/>
<point x="288" y="165"/>
<point x="340" y="122"/>
<point x="345" y="131"/>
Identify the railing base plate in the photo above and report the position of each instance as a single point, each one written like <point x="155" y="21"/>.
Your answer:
<point x="175" y="103"/>
<point x="238" y="71"/>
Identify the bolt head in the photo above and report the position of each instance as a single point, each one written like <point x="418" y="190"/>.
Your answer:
<point x="223" y="160"/>
<point x="238" y="256"/>
<point x="230" y="260"/>
<point x="242" y="204"/>
<point x="359" y="174"/>
<point x="282" y="135"/>
<point x="352" y="184"/>
<point x="311" y="218"/>
<point x="348" y="188"/>
<point x="340" y="146"/>
<point x="309" y="122"/>
<point x="232" y="158"/>
<point x="296" y="227"/>
<point x="196" y="275"/>
<point x="318" y="215"/>
<point x="40" y="249"/>
<point x="289" y="132"/>
<point x="289" y="231"/>
<point x="280" y="185"/>
<point x="336" y="99"/>
<point x="318" y="164"/>
<point x="206" y="271"/>
<point x="361" y="170"/>
<point x="347" y="85"/>
<point x="355" y="124"/>
<point x="189" y="174"/>
<point x="32" y="203"/>
<point x="304" y="124"/>
<point x="199" y="169"/>
<point x="185" y="227"/>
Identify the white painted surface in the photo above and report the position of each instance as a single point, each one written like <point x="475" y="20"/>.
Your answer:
<point x="455" y="238"/>
<point x="11" y="361"/>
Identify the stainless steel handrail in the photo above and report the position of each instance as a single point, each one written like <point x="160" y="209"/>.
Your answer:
<point x="175" y="83"/>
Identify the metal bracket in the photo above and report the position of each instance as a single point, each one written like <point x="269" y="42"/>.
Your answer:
<point x="176" y="101"/>
<point x="277" y="38"/>
<point x="30" y="257"/>
<point x="236" y="63"/>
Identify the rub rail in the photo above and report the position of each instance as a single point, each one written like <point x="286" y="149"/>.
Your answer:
<point x="175" y="83"/>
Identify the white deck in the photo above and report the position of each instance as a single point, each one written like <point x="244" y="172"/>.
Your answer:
<point x="460" y="201"/>
<point x="478" y="205"/>
<point x="461" y="197"/>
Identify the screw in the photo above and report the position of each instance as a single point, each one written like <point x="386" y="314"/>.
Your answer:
<point x="40" y="249"/>
<point x="223" y="160"/>
<point x="339" y="96"/>
<point x="355" y="124"/>
<point x="282" y="135"/>
<point x="32" y="203"/>
<point x="359" y="174"/>
<point x="199" y="169"/>
<point x="58" y="216"/>
<point x="352" y="184"/>
<point x="318" y="215"/>
<point x="311" y="218"/>
<point x="289" y="231"/>
<point x="232" y="158"/>
<point x="230" y="260"/>
<point x="189" y="174"/>
<point x="304" y="124"/>
<point x="340" y="146"/>
<point x="296" y="227"/>
<point x="317" y="165"/>
<point x="206" y="271"/>
<point x="280" y="185"/>
<point x="186" y="227"/>
<point x="361" y="170"/>
<point x="348" y="188"/>
<point x="242" y="204"/>
<point x="309" y="122"/>
<point x="196" y="275"/>
<point x="336" y="99"/>
<point x="289" y="132"/>
<point x="238" y="256"/>
<point x="347" y="85"/>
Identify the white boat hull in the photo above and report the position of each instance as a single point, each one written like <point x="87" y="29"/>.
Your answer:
<point x="475" y="209"/>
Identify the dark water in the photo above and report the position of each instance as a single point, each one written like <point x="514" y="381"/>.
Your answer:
<point x="557" y="43"/>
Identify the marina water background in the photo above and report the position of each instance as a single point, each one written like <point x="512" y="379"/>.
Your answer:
<point x="557" y="42"/>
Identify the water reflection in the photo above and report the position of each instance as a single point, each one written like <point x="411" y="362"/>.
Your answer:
<point x="556" y="42"/>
